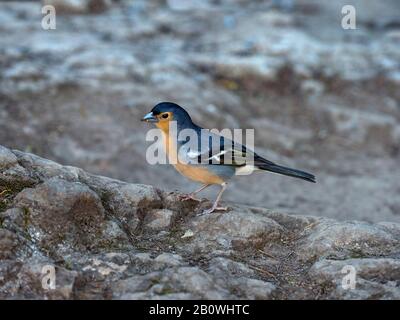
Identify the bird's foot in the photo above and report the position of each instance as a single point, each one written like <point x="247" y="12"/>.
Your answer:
<point x="190" y="196"/>
<point x="211" y="210"/>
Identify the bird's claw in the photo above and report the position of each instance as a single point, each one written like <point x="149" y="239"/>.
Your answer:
<point x="211" y="210"/>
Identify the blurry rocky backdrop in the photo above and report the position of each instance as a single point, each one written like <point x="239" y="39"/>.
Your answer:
<point x="320" y="98"/>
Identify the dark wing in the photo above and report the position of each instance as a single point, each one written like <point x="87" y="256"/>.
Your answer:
<point x="211" y="148"/>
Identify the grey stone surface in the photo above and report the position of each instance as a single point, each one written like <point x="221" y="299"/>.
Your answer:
<point x="374" y="278"/>
<point x="320" y="98"/>
<point x="100" y="236"/>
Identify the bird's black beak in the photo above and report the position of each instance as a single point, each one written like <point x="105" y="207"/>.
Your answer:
<point x="150" y="117"/>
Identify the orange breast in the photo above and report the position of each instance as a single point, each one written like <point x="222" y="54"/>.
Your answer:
<point x="193" y="172"/>
<point x="197" y="173"/>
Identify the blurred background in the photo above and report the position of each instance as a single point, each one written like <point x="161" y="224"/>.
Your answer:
<point x="321" y="98"/>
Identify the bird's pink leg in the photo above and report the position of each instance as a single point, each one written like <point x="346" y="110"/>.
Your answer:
<point x="191" y="196"/>
<point x="215" y="205"/>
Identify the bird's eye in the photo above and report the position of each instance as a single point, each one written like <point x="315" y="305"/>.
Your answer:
<point x="165" y="115"/>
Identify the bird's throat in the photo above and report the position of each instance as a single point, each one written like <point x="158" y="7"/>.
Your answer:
<point x="163" y="126"/>
<point x="169" y="140"/>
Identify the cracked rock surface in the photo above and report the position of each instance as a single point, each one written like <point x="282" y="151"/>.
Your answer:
<point x="107" y="239"/>
<point x="320" y="98"/>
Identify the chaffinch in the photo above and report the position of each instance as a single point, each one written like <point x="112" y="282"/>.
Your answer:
<point x="206" y="157"/>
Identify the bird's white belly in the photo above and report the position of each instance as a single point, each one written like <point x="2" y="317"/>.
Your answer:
<point x="245" y="170"/>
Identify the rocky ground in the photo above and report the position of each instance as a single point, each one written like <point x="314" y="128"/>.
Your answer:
<point x="108" y="239"/>
<point x="320" y="98"/>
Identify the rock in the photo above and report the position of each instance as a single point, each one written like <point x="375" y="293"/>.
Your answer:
<point x="106" y="239"/>
<point x="220" y="266"/>
<point x="237" y="228"/>
<point x="45" y="169"/>
<point x="195" y="281"/>
<point x="186" y="5"/>
<point x="239" y="278"/>
<point x="78" y="6"/>
<point x="103" y="266"/>
<point x="129" y="203"/>
<point x="8" y="244"/>
<point x="28" y="280"/>
<point x="254" y="289"/>
<point x="364" y="128"/>
<point x="7" y="158"/>
<point x="321" y="98"/>
<point x="159" y="219"/>
<point x="330" y="239"/>
<point x="12" y="175"/>
<point x="59" y="215"/>
<point x="312" y="87"/>
<point x="169" y="259"/>
<point x="188" y="282"/>
<point x="373" y="278"/>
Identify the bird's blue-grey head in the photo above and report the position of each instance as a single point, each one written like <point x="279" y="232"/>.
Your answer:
<point x="164" y="112"/>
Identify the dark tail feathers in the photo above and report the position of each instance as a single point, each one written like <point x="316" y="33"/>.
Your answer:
<point x="288" y="171"/>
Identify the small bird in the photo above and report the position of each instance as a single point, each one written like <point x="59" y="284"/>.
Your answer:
<point x="208" y="158"/>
